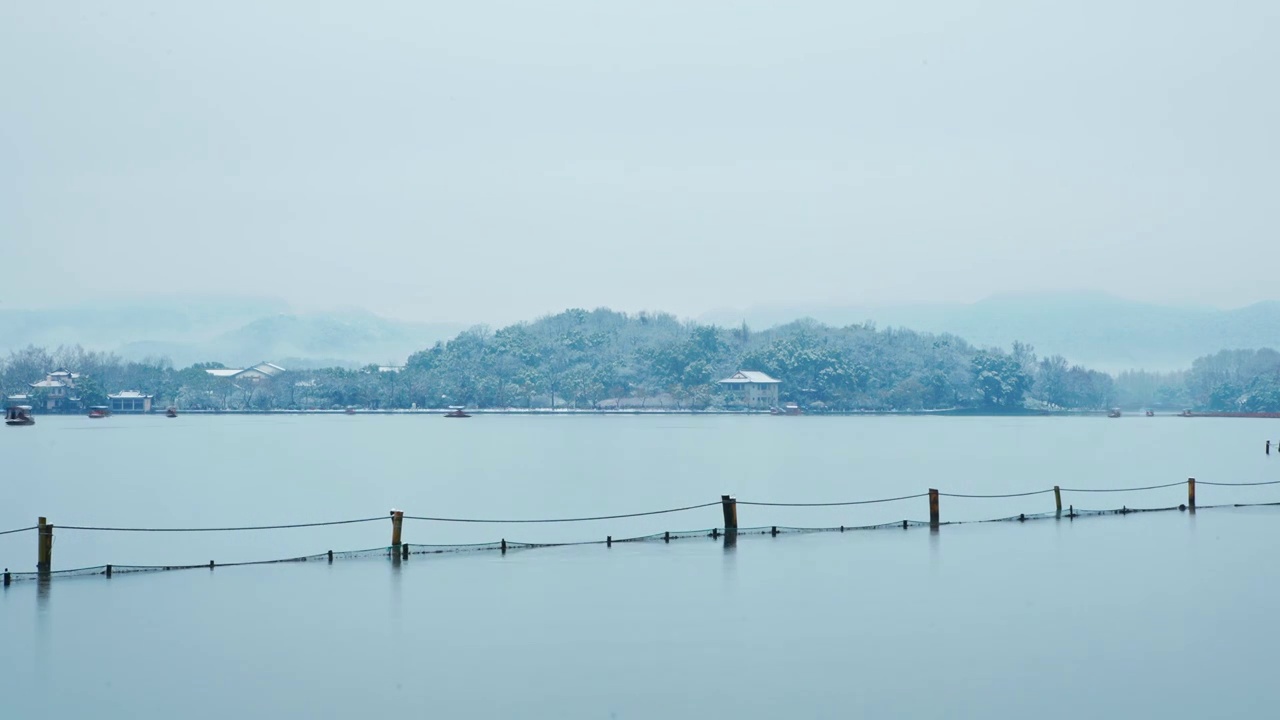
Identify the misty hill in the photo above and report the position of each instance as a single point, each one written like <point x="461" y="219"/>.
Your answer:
<point x="602" y="359"/>
<point x="234" y="331"/>
<point x="105" y="325"/>
<point x="1094" y="329"/>
<point x="314" y="340"/>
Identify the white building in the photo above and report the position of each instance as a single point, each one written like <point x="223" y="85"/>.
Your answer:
<point x="753" y="389"/>
<point x="130" y="401"/>
<point x="58" y="389"/>
<point x="261" y="371"/>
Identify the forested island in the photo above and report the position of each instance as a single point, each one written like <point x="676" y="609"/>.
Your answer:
<point x="606" y="360"/>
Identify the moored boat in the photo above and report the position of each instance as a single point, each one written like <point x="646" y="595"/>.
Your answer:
<point x="171" y="412"/>
<point x="18" y="415"/>
<point x="1113" y="413"/>
<point x="456" y="411"/>
<point x="99" y="411"/>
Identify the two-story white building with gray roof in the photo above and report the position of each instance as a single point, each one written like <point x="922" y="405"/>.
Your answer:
<point x="755" y="390"/>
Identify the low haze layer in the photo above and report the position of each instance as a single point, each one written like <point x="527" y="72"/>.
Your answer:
<point x="1095" y="329"/>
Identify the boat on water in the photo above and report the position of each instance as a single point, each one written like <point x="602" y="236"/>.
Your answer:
<point x="456" y="411"/>
<point x="1113" y="413"/>
<point x="788" y="409"/>
<point x="350" y="411"/>
<point x="99" y="411"/>
<point x="18" y="415"/>
<point x="171" y="412"/>
<point x="1151" y="413"/>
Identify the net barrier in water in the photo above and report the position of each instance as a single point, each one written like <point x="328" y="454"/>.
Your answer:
<point x="729" y="531"/>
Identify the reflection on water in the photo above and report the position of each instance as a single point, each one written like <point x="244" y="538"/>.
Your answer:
<point x="43" y="584"/>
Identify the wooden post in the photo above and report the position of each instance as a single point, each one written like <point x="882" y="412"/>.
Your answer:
<point x="6" y="577"/>
<point x="933" y="508"/>
<point x="404" y="551"/>
<point x="1191" y="494"/>
<point x="210" y="564"/>
<point x="504" y="546"/>
<point x="330" y="556"/>
<point x="608" y="541"/>
<point x="108" y="571"/>
<point x="666" y="536"/>
<point x="730" y="507"/>
<point x="397" y="519"/>
<point x="44" y="559"/>
<point x="1057" y="500"/>
<point x="1268" y="447"/>
<point x="774" y="531"/>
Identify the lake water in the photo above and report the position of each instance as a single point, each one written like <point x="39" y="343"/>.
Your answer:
<point x="1143" y="615"/>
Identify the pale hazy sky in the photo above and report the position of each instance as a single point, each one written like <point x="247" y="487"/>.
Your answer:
<point x="497" y="160"/>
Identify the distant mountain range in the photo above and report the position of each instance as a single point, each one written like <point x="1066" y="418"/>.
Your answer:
<point x="233" y="331"/>
<point x="1094" y="329"/>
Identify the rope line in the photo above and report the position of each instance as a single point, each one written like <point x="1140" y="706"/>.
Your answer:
<point x="1132" y="489"/>
<point x="832" y="504"/>
<point x="638" y="514"/>
<point x="1008" y="495"/>
<point x="560" y="520"/>
<point x="1220" y="484"/>
<point x="220" y="529"/>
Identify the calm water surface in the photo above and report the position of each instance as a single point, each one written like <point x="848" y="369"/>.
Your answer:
<point x="1114" y="617"/>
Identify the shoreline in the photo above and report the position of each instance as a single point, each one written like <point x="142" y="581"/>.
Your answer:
<point x="950" y="412"/>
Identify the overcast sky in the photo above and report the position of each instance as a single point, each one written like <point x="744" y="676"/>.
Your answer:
<point x="491" y="161"/>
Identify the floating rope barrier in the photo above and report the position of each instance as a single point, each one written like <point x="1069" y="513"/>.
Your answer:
<point x="730" y="531"/>
<point x="407" y="550"/>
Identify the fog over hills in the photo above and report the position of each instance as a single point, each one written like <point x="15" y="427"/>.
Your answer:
<point x="1095" y="329"/>
<point x="234" y="331"/>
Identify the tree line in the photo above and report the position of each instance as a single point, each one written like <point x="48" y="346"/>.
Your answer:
<point x="605" y="359"/>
